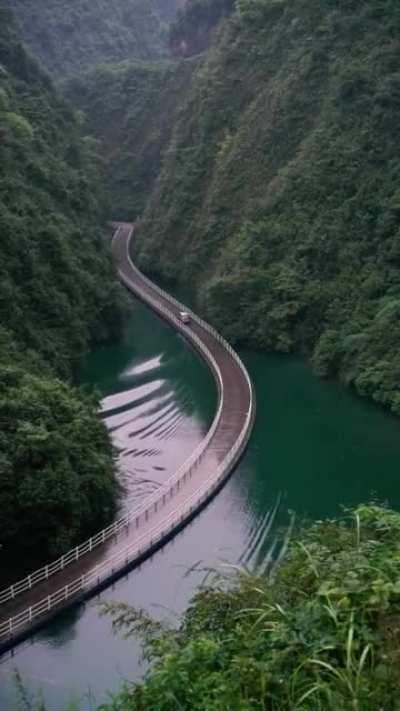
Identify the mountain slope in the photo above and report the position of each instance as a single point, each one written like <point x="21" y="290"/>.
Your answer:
<point x="130" y="108"/>
<point x="279" y="194"/>
<point x="58" y="290"/>
<point x="73" y="36"/>
<point x="57" y="295"/>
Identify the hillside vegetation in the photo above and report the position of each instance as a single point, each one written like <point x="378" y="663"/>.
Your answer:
<point x="195" y="23"/>
<point x="321" y="631"/>
<point x="279" y="192"/>
<point x="57" y="295"/>
<point x="131" y="109"/>
<point x="69" y="37"/>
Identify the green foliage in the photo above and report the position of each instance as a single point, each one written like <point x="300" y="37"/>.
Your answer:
<point x="57" y="287"/>
<point x="323" y="632"/>
<point x="130" y="109"/>
<point x="192" y="30"/>
<point x="57" y="296"/>
<point x="278" y="195"/>
<point x="4" y="101"/>
<point x="56" y="468"/>
<point x="71" y="37"/>
<point x="19" y="126"/>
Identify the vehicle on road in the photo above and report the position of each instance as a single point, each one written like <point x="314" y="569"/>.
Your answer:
<point x="184" y="316"/>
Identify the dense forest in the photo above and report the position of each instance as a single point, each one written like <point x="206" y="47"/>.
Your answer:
<point x="194" y="25"/>
<point x="70" y="37"/>
<point x="265" y="170"/>
<point x="256" y="142"/>
<point x="278" y="194"/>
<point x="57" y="296"/>
<point x="119" y="102"/>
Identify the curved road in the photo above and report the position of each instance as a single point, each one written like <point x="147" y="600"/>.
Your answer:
<point x="31" y="602"/>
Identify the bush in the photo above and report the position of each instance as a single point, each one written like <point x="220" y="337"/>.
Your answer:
<point x="56" y="464"/>
<point x="322" y="631"/>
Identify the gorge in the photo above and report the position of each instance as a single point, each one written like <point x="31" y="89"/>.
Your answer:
<point x="255" y="145"/>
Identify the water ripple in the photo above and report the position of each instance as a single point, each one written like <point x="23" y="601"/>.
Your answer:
<point x="153" y="425"/>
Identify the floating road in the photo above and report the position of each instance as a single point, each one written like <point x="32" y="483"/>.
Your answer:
<point x="91" y="566"/>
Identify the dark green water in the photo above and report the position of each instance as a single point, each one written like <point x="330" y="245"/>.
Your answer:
<point x="314" y="444"/>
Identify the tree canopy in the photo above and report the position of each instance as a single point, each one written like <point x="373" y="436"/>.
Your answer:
<point x="55" y="477"/>
<point x="278" y="196"/>
<point x="58" y="295"/>
<point x="74" y="36"/>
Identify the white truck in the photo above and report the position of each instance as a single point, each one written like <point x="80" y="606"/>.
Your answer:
<point x="184" y="316"/>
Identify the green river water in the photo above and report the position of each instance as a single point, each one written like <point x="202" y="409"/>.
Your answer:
<point x="315" y="446"/>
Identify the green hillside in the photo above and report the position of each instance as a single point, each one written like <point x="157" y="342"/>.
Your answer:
<point x="69" y="37"/>
<point x="57" y="296"/>
<point x="131" y="109"/>
<point x="279" y="194"/>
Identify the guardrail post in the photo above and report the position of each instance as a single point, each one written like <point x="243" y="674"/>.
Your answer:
<point x="29" y="582"/>
<point x="12" y="592"/>
<point x="30" y="614"/>
<point x="62" y="562"/>
<point x="47" y="572"/>
<point x="76" y="553"/>
<point x="10" y="626"/>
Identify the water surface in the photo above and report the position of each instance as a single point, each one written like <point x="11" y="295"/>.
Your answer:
<point x="315" y="445"/>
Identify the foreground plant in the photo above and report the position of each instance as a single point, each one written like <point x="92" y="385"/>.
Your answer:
<point x="322" y="632"/>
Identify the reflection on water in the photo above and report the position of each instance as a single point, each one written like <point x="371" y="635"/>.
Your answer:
<point x="144" y="367"/>
<point x="146" y="420"/>
<point x="263" y="546"/>
<point x="151" y="410"/>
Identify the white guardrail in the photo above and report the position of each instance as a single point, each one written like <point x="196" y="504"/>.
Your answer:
<point x="151" y="537"/>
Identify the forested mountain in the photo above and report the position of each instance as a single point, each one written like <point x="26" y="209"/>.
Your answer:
<point x="72" y="36"/>
<point x="273" y="156"/>
<point x="131" y="109"/>
<point x="194" y="25"/>
<point x="166" y="9"/>
<point x="263" y="162"/>
<point x="279" y="192"/>
<point x="57" y="295"/>
<point x="271" y="165"/>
